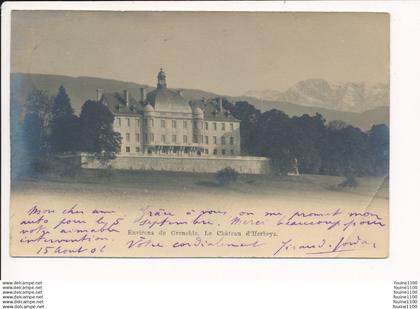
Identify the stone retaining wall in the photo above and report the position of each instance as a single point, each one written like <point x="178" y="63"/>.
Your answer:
<point x="243" y="165"/>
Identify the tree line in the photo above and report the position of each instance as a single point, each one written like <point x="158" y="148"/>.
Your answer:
<point x="318" y="147"/>
<point x="50" y="127"/>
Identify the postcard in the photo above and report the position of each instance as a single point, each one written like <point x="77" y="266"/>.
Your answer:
<point x="199" y="134"/>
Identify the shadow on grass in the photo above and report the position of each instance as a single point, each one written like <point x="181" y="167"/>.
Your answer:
<point x="380" y="193"/>
<point x="209" y="184"/>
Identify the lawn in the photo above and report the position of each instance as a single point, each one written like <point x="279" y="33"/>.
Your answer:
<point x="133" y="184"/>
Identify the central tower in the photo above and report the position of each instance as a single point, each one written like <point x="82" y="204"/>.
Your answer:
<point x="161" y="79"/>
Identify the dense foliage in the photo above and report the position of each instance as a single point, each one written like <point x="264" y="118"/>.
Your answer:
<point x="50" y="127"/>
<point x="98" y="137"/>
<point x="226" y="176"/>
<point x="65" y="127"/>
<point x="37" y="122"/>
<point x="333" y="148"/>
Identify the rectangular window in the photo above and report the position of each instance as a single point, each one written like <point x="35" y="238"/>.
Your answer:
<point x="215" y="125"/>
<point x="128" y="122"/>
<point x="162" y="123"/>
<point x="206" y="124"/>
<point x="195" y="139"/>
<point x="174" y="124"/>
<point x="185" y="139"/>
<point x="207" y="140"/>
<point x="223" y="126"/>
<point x="173" y="138"/>
<point x="215" y="151"/>
<point x="223" y="151"/>
<point x="163" y="138"/>
<point x="138" y="123"/>
<point x="231" y="140"/>
<point x="127" y="137"/>
<point x="137" y="149"/>
<point x="223" y="140"/>
<point x="231" y="126"/>
<point x="127" y="149"/>
<point x="194" y="124"/>
<point x="231" y="152"/>
<point x="137" y="137"/>
<point x="185" y="124"/>
<point x="152" y="137"/>
<point x="214" y="140"/>
<point x="145" y="137"/>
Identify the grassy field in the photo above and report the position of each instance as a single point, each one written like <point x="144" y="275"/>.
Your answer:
<point x="170" y="184"/>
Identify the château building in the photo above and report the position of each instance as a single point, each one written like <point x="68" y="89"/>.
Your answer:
<point x="163" y="122"/>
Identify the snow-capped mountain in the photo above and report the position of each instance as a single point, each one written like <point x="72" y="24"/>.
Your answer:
<point x="354" y="97"/>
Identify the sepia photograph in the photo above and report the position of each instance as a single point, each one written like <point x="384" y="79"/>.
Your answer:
<point x="199" y="134"/>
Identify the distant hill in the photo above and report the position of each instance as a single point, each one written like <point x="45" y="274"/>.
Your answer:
<point x="81" y="89"/>
<point x="353" y="97"/>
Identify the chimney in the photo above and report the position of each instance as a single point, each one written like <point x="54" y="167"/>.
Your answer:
<point x="220" y="105"/>
<point x="142" y="95"/>
<point x="126" y="98"/>
<point x="99" y="94"/>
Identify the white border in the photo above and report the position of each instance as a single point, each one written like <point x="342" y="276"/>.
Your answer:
<point x="405" y="165"/>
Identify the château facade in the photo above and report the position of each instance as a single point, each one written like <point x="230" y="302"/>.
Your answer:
<point x="162" y="122"/>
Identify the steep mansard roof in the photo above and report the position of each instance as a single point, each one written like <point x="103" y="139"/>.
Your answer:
<point x="165" y="100"/>
<point x="116" y="104"/>
<point x="211" y="110"/>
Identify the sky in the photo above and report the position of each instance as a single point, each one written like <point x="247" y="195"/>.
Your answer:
<point x="224" y="52"/>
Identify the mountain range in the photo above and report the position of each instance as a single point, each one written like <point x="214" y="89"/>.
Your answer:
<point x="306" y="97"/>
<point x="351" y="97"/>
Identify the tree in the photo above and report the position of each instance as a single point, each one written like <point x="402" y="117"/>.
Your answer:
<point x="274" y="138"/>
<point x="379" y="143"/>
<point x="226" y="176"/>
<point x="349" y="181"/>
<point x="309" y="131"/>
<point x="65" y="134"/>
<point x="19" y="161"/>
<point x="98" y="137"/>
<point x="65" y="126"/>
<point x="32" y="135"/>
<point x="346" y="152"/>
<point x="248" y="115"/>
<point x="38" y="121"/>
<point x="337" y="125"/>
<point x="61" y="106"/>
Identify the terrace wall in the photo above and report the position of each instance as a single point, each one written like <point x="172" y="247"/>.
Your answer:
<point x="243" y="165"/>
